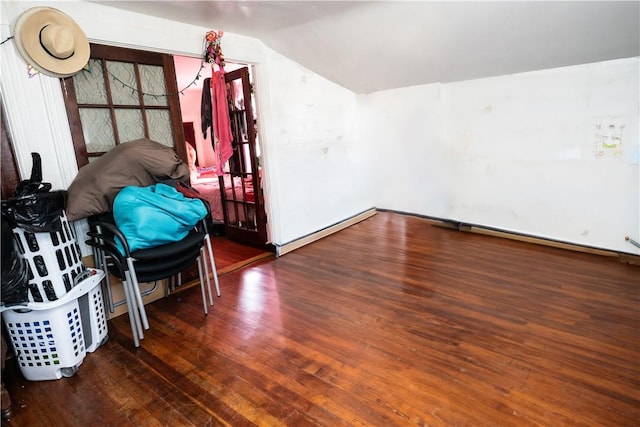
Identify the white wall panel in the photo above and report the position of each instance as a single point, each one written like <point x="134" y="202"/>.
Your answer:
<point x="515" y="152"/>
<point x="524" y="153"/>
<point x="321" y="173"/>
<point x="401" y="130"/>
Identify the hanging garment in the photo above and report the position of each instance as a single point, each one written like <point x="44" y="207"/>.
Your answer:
<point x="205" y="107"/>
<point x="221" y="122"/>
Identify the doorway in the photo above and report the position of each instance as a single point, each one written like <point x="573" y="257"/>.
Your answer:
<point x="140" y="96"/>
<point x="232" y="195"/>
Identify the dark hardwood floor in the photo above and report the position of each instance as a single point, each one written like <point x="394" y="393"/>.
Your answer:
<point x="389" y="322"/>
<point x="230" y="256"/>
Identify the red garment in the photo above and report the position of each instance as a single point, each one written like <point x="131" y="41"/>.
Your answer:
<point x="221" y="122"/>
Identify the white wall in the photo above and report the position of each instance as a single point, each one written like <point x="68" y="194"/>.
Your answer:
<point x="512" y="152"/>
<point x="401" y="131"/>
<point x="300" y="115"/>
<point x="321" y="178"/>
<point x="516" y="152"/>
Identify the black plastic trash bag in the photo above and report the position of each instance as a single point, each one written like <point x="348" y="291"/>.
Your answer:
<point x="15" y="269"/>
<point x="33" y="206"/>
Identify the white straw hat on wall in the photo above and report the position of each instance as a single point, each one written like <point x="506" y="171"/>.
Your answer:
<point x="51" y="42"/>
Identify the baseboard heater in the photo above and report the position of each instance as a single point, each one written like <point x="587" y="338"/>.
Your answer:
<point x="317" y="235"/>
<point x="489" y="231"/>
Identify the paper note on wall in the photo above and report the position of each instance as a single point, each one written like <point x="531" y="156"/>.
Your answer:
<point x="607" y="138"/>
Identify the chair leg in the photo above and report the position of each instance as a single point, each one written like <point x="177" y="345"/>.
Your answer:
<point x="204" y="298"/>
<point x="107" y="287"/>
<point x="213" y="265"/>
<point x="136" y="290"/>
<point x="134" y="319"/>
<point x="101" y="263"/>
<point x="134" y="304"/>
<point x="206" y="273"/>
<point x="167" y="286"/>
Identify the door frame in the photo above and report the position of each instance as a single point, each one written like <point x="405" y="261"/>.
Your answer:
<point x="257" y="237"/>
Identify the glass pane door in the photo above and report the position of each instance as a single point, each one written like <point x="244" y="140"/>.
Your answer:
<point x="243" y="207"/>
<point x="122" y="96"/>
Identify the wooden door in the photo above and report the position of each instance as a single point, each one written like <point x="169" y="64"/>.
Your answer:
<point x="242" y="198"/>
<point x="125" y="94"/>
<point x="190" y="136"/>
<point x="8" y="167"/>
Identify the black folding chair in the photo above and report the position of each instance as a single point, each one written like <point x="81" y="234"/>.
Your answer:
<point x="149" y="265"/>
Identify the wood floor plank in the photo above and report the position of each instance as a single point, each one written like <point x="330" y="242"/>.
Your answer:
<point x="389" y="322"/>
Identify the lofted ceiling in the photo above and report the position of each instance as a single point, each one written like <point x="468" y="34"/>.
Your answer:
<point x="368" y="46"/>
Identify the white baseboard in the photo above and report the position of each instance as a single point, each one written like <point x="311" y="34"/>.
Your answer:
<point x="298" y="243"/>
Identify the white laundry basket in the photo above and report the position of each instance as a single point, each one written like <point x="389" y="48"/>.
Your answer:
<point x="54" y="260"/>
<point x="94" y="319"/>
<point x="49" y="338"/>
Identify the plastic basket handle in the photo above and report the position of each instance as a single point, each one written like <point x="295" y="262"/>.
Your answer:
<point x="76" y="292"/>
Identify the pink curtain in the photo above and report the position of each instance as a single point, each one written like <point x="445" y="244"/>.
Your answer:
<point x="221" y="123"/>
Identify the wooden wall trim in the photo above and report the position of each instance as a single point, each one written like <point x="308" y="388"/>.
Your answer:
<point x="478" y="229"/>
<point x="310" y="238"/>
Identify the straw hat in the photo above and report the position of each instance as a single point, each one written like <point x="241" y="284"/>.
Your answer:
<point x="51" y="42"/>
